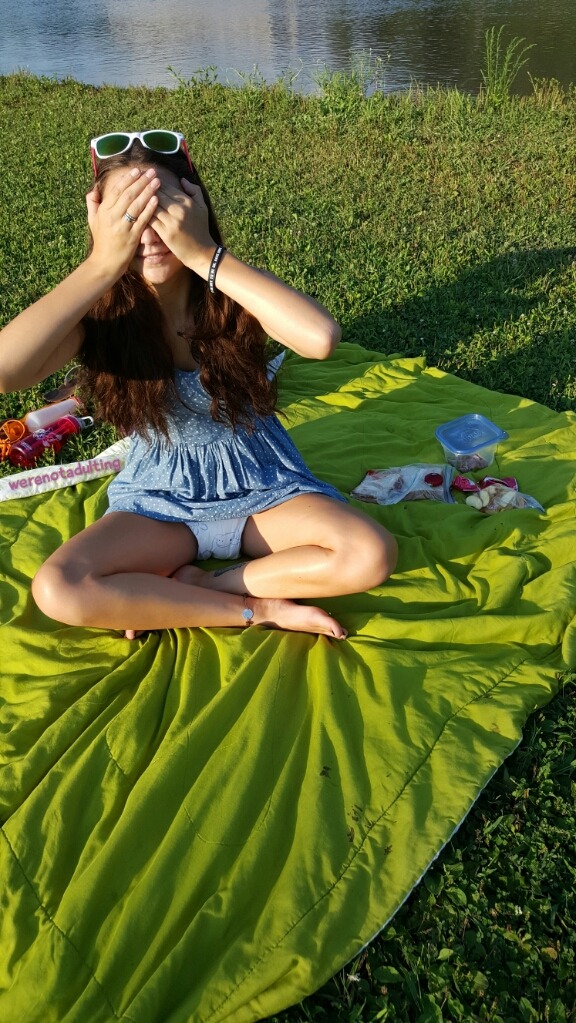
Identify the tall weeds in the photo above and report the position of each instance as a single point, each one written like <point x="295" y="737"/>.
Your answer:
<point x="502" y="65"/>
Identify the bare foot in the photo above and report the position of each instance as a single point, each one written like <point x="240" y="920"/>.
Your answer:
<point x="190" y="574"/>
<point x="287" y="614"/>
<point x="275" y="613"/>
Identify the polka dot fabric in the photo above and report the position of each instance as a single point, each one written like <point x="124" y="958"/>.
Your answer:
<point x="208" y="472"/>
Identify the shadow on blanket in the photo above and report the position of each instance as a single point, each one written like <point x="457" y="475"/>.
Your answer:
<point x="206" y="824"/>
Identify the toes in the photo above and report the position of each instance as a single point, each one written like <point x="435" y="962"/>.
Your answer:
<point x="134" y="633"/>
<point x="342" y="634"/>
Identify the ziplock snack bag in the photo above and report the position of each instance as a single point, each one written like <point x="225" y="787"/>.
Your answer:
<point x="417" y="482"/>
<point x="498" y="497"/>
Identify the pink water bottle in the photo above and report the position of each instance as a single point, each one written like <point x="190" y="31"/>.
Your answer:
<point x="26" y="452"/>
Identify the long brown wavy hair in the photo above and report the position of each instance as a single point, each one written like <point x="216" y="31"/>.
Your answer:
<point x="127" y="361"/>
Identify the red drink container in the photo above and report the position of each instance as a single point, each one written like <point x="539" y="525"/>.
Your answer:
<point x="26" y="452"/>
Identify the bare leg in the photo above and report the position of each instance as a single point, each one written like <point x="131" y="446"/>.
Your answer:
<point x="310" y="546"/>
<point x="116" y="574"/>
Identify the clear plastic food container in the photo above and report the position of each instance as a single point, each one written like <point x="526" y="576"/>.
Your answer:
<point x="470" y="442"/>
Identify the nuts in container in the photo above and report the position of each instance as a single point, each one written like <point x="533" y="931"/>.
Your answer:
<point x="470" y="442"/>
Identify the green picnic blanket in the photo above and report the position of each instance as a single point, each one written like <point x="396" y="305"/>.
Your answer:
<point x="204" y="825"/>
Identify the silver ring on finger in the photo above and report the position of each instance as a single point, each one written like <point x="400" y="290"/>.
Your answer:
<point x="130" y="218"/>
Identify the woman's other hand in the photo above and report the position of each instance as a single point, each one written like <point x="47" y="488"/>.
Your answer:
<point x="181" y="221"/>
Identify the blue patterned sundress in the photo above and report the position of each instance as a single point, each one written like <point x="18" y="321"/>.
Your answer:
<point x="208" y="471"/>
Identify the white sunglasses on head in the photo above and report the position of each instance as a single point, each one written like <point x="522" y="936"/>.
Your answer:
<point x="157" y="140"/>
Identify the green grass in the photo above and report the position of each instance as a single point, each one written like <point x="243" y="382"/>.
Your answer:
<point x="502" y="65"/>
<point x="431" y="223"/>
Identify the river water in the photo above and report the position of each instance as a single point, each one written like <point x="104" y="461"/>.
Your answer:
<point x="129" y="42"/>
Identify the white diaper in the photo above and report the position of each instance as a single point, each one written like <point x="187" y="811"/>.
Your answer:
<point x="218" y="539"/>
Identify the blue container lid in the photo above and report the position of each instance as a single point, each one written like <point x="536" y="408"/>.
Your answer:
<point x="469" y="433"/>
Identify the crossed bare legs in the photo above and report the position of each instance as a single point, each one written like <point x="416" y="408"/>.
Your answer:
<point x="131" y="573"/>
<point x="274" y="613"/>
